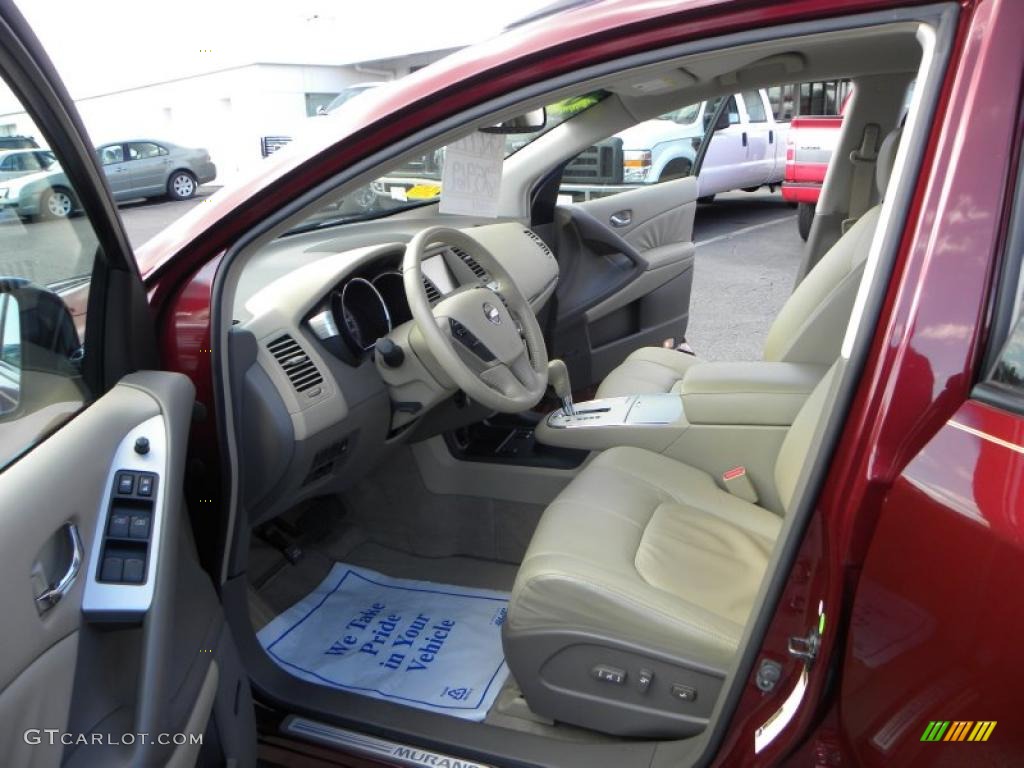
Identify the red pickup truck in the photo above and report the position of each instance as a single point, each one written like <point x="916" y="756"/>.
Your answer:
<point x="809" y="145"/>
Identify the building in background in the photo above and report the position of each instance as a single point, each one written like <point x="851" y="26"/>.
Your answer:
<point x="227" y="110"/>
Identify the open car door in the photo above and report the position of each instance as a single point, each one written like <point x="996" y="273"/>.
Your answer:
<point x="115" y="650"/>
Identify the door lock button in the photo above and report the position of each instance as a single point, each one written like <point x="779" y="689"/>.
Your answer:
<point x="125" y="483"/>
<point x="145" y="485"/>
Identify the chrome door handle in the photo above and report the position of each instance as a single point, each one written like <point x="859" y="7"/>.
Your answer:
<point x="621" y="218"/>
<point x="50" y="597"/>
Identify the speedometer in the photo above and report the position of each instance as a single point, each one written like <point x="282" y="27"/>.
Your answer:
<point x="361" y="312"/>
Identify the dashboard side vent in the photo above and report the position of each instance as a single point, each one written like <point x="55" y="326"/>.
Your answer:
<point x="433" y="294"/>
<point x="472" y="263"/>
<point x="537" y="239"/>
<point x="300" y="370"/>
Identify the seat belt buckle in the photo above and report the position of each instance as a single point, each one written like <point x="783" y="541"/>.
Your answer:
<point x="737" y="482"/>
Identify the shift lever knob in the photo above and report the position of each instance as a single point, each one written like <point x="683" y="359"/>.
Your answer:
<point x="558" y="378"/>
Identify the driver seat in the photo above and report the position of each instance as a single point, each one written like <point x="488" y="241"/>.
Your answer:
<point x="635" y="590"/>
<point x="808" y="329"/>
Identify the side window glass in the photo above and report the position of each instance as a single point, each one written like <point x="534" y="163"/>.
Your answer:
<point x="755" y="107"/>
<point x="783" y="102"/>
<point x="46" y="262"/>
<point x="1009" y="368"/>
<point x="144" y="150"/>
<point x="111" y="155"/>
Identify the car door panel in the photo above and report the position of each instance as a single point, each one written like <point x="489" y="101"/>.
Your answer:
<point x="626" y="268"/>
<point x="136" y="669"/>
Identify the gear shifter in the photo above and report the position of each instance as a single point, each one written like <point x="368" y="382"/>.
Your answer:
<point x="558" y="378"/>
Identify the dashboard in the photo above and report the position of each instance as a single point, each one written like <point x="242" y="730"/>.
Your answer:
<point x="306" y="369"/>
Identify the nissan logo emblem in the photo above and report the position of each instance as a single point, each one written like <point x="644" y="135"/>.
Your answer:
<point x="491" y="313"/>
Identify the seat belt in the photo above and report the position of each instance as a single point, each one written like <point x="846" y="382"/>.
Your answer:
<point x="863" y="159"/>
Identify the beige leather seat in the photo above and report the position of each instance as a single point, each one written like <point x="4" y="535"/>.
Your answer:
<point x="643" y="568"/>
<point x="808" y="329"/>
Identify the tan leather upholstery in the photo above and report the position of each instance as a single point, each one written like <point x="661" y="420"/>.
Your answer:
<point x="767" y="394"/>
<point x="644" y="552"/>
<point x="647" y="370"/>
<point x="811" y="324"/>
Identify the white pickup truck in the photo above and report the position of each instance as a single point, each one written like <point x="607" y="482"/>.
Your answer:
<point x="747" y="151"/>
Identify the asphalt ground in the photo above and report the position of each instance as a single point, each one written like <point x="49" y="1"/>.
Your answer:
<point x="748" y="251"/>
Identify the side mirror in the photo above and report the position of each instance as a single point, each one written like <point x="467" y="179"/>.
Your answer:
<point x="531" y="122"/>
<point x="10" y="354"/>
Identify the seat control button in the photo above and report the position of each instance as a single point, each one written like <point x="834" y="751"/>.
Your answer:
<point x="125" y="483"/>
<point x="607" y="674"/>
<point x="112" y="567"/>
<point x="133" y="570"/>
<point x="684" y="692"/>
<point x="643" y="680"/>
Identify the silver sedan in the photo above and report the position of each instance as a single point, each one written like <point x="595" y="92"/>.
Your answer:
<point x="148" y="168"/>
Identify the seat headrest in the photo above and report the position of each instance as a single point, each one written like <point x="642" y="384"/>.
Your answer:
<point x="886" y="156"/>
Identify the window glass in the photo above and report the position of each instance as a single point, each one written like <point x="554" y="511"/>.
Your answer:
<point x="782" y="99"/>
<point x="47" y="251"/>
<point x="1009" y="368"/>
<point x="112" y="154"/>
<point x="418" y="181"/>
<point x="755" y="107"/>
<point x="141" y="150"/>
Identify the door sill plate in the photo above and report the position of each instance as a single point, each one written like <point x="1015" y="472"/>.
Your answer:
<point x="370" y="746"/>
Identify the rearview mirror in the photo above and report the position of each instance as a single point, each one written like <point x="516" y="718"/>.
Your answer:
<point x="530" y="122"/>
<point x="10" y="354"/>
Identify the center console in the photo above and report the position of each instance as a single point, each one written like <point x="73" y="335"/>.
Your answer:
<point x="720" y="416"/>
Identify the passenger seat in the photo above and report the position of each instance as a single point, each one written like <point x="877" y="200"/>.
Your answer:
<point x="809" y="328"/>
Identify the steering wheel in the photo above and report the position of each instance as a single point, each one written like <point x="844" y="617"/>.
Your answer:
<point x="485" y="337"/>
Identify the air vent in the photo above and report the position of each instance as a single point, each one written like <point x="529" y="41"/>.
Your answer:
<point x="433" y="294"/>
<point x="537" y="239"/>
<point x="470" y="262"/>
<point x="300" y="370"/>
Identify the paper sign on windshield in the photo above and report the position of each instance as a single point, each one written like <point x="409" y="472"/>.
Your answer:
<point x="471" y="180"/>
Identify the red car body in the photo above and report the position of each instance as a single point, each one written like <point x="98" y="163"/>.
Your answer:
<point x="916" y="545"/>
<point x="802" y="180"/>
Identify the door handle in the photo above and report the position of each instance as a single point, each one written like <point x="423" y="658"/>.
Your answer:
<point x="744" y="135"/>
<point x="53" y="595"/>
<point x="621" y="218"/>
<point x="771" y="137"/>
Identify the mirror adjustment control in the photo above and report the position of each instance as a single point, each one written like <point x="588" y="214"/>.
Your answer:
<point x="125" y="483"/>
<point x="607" y="674"/>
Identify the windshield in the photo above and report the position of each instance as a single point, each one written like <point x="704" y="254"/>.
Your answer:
<point x="684" y="115"/>
<point x="418" y="181"/>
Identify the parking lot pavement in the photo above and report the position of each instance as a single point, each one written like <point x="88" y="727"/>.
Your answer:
<point x="145" y="218"/>
<point x="48" y="251"/>
<point x="748" y="251"/>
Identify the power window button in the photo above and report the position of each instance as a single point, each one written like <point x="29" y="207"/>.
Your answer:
<point x="607" y="674"/>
